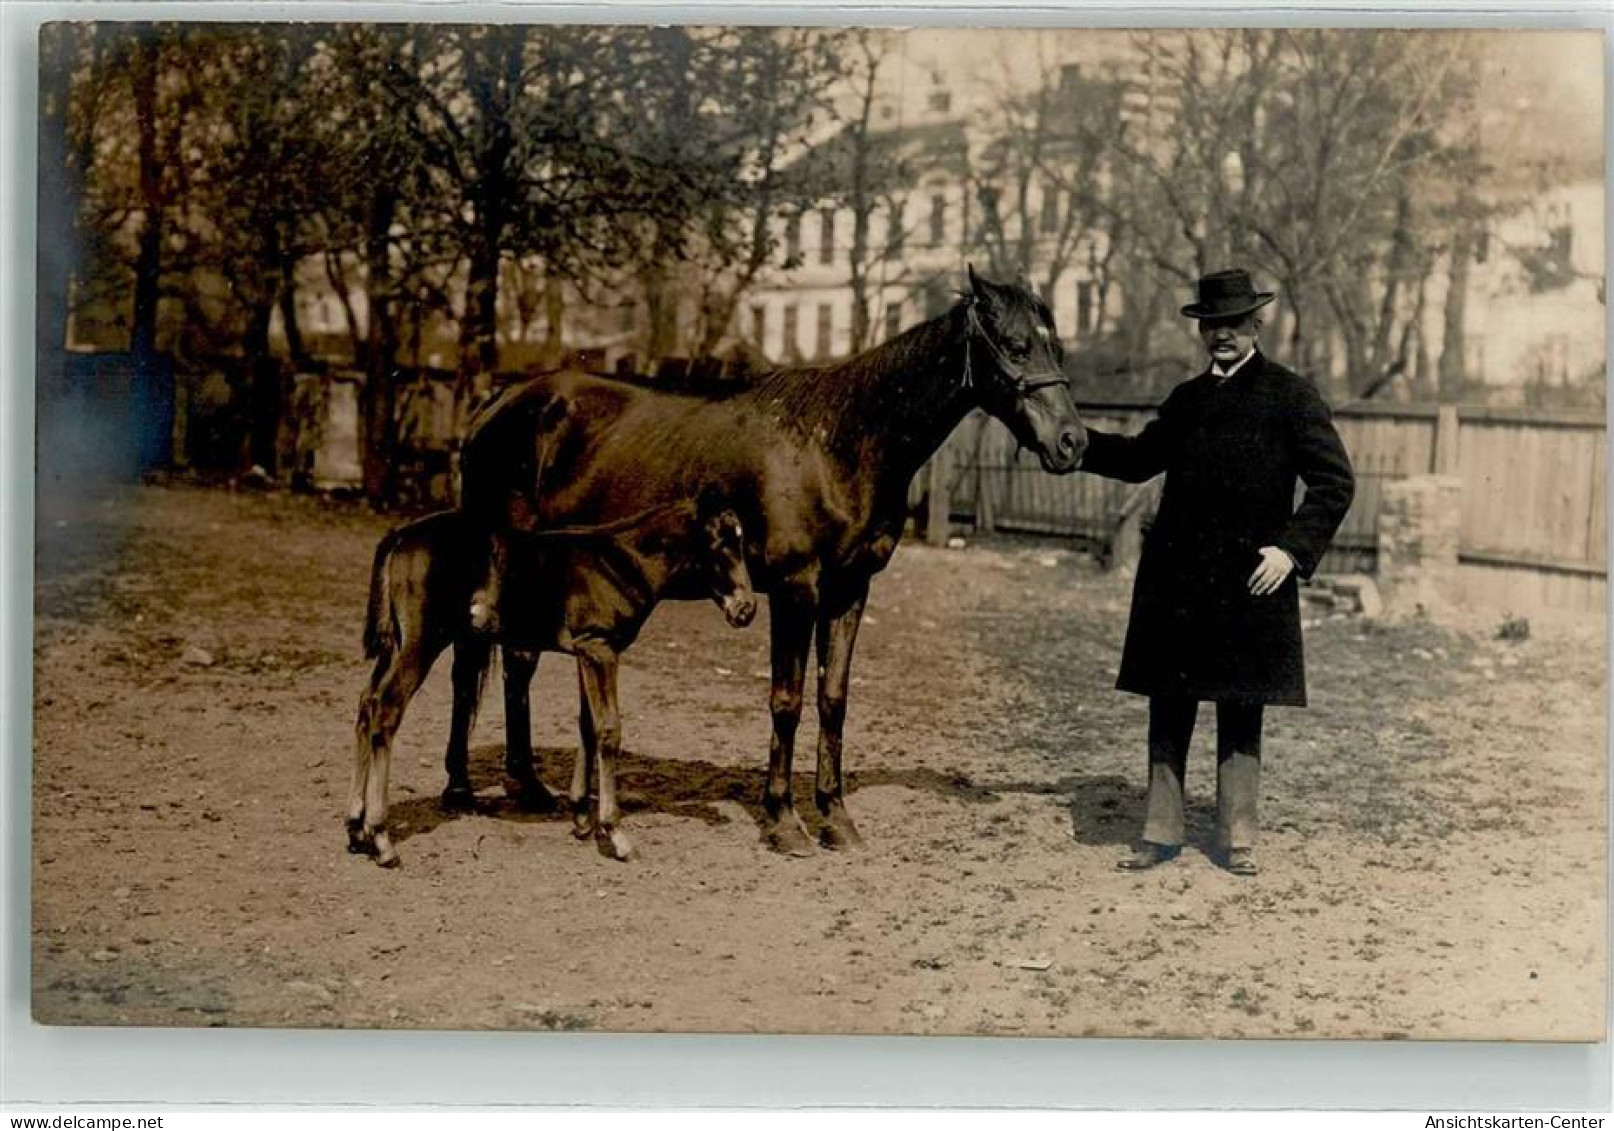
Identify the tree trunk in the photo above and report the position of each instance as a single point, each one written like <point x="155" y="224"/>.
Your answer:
<point x="1453" y="350"/>
<point x="264" y="391"/>
<point x="479" y="334"/>
<point x="661" y="312"/>
<point x="554" y="349"/>
<point x="60" y="177"/>
<point x="378" y="398"/>
<point x="494" y="88"/>
<point x="288" y="314"/>
<point x="378" y="419"/>
<point x="145" y="61"/>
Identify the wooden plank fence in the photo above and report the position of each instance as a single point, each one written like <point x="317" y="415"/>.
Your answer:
<point x="1534" y="521"/>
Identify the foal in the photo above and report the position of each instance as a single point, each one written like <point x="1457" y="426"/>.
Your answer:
<point x="586" y="591"/>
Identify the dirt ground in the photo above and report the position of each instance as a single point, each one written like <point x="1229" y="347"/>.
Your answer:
<point x="1434" y="846"/>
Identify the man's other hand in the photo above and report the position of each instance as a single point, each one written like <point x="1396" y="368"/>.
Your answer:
<point x="1275" y="568"/>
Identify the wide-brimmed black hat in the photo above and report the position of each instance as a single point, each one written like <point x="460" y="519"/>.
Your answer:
<point x="1227" y="294"/>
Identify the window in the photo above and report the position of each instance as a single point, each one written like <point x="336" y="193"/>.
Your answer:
<point x="895" y="237"/>
<point x="790" y="347"/>
<point x="1050" y="209"/>
<point x="893" y="318"/>
<point x="938" y="220"/>
<point x="1086" y="307"/>
<point x="991" y="223"/>
<point x="627" y="317"/>
<point x="941" y="101"/>
<point x="824" y="329"/>
<point x="759" y="327"/>
<point x="793" y="239"/>
<point x="826" y="235"/>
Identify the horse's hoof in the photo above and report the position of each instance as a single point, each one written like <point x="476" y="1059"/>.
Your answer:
<point x="532" y="796"/>
<point x="385" y="854"/>
<point x="621" y="847"/>
<point x="459" y="798"/>
<point x="787" y="836"/>
<point x="359" y="842"/>
<point x="840" y="833"/>
<point x="582" y="827"/>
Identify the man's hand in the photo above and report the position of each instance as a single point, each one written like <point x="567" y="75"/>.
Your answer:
<point x="1275" y="568"/>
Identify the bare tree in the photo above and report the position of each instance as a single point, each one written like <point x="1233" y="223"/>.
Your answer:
<point x="724" y="121"/>
<point x="1311" y="155"/>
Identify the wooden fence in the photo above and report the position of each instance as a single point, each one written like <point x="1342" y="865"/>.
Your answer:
<point x="1534" y="522"/>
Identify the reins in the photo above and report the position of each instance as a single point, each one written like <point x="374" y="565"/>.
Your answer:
<point x="615" y="526"/>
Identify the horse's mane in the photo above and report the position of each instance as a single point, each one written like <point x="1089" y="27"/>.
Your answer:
<point x="841" y="399"/>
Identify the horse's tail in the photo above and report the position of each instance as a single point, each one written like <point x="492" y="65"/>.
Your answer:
<point x="483" y="672"/>
<point x="380" y="625"/>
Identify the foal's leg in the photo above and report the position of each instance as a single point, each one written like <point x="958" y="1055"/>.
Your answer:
<point x="790" y="626"/>
<point x="583" y="765"/>
<point x="599" y="685"/>
<point x="472" y="654"/>
<point x="369" y="705"/>
<point x="521" y="777"/>
<point x="838" y="622"/>
<point x="393" y="683"/>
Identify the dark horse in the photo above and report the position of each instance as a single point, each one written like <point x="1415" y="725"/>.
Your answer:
<point x="817" y="462"/>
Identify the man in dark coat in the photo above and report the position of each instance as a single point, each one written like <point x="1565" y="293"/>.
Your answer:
<point x="1216" y="608"/>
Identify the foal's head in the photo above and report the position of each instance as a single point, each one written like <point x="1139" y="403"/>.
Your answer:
<point x="1015" y="364"/>
<point x="708" y="550"/>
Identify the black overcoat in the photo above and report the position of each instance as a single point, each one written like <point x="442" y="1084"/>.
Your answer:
<point x="1232" y="449"/>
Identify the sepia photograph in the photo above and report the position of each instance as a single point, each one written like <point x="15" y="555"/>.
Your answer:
<point x="1083" y="532"/>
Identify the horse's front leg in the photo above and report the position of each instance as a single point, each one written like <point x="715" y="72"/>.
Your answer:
<point x="599" y="672"/>
<point x="839" y="616"/>
<point x="521" y="776"/>
<point x="790" y="626"/>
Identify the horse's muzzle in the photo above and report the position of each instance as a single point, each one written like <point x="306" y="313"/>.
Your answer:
<point x="1066" y="452"/>
<point x="739" y="611"/>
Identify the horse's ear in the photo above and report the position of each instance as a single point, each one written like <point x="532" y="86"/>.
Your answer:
<point x="976" y="287"/>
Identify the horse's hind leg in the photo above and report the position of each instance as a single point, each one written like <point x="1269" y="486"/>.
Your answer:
<point x="472" y="654"/>
<point x="599" y="684"/>
<point x="521" y="776"/>
<point x="837" y="634"/>
<point x="583" y="765"/>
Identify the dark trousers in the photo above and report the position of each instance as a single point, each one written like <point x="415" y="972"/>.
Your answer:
<point x="1238" y="769"/>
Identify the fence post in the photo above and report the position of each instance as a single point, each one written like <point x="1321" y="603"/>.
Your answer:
<point x="938" y="507"/>
<point x="985" y="516"/>
<point x="1445" y="453"/>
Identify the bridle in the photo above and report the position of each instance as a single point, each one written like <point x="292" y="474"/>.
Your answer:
<point x="1021" y="384"/>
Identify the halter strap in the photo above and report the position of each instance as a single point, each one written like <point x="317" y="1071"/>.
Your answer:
<point x="1022" y="385"/>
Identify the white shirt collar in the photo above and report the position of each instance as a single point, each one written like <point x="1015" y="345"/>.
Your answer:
<point x="1216" y="366"/>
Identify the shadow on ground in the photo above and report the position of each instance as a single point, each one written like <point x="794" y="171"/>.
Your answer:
<point x="1104" y="810"/>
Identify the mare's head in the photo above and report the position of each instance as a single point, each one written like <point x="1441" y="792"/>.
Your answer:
<point x="1014" y="363"/>
<point x="717" y="558"/>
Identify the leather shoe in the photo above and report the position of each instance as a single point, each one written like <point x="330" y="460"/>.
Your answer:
<point x="1147" y="856"/>
<point x="1241" y="862"/>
